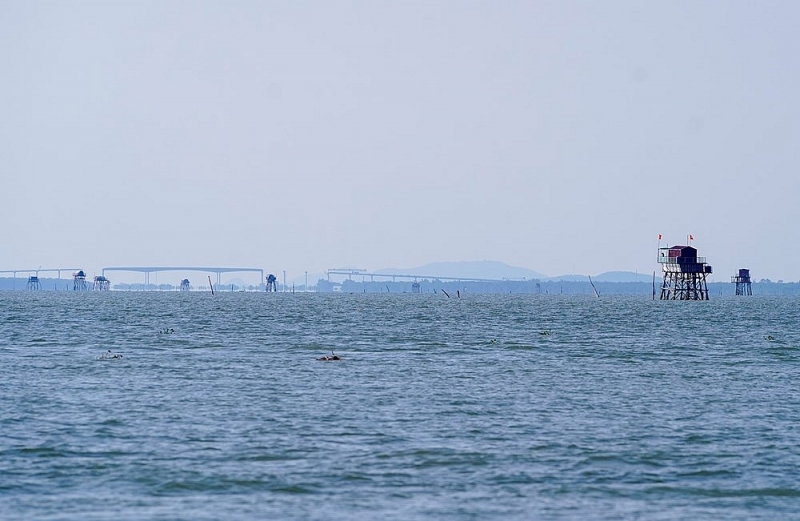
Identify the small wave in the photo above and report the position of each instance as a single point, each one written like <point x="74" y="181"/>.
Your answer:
<point x="724" y="493"/>
<point x="44" y="452"/>
<point x="293" y="489"/>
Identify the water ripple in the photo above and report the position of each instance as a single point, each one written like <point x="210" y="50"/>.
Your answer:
<point x="511" y="407"/>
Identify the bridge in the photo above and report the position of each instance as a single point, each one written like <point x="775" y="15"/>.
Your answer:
<point x="40" y="269"/>
<point x="37" y="271"/>
<point x="147" y="270"/>
<point x="394" y="276"/>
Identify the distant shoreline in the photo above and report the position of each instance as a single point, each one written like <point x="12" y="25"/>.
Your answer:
<point x="534" y="287"/>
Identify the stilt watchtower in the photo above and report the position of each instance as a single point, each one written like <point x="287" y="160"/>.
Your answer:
<point x="742" y="281"/>
<point x="684" y="273"/>
<point x="33" y="283"/>
<point x="79" y="281"/>
<point x="101" y="283"/>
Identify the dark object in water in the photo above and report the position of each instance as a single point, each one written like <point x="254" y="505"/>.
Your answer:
<point x="327" y="358"/>
<point x="108" y="355"/>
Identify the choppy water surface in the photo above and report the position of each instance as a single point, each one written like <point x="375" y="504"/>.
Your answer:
<point x="480" y="407"/>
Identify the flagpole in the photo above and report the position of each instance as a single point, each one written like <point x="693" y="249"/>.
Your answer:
<point x="658" y="252"/>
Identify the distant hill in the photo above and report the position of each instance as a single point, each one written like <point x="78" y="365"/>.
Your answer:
<point x="623" y="276"/>
<point x="468" y="269"/>
<point x="609" y="276"/>
<point x="569" y="278"/>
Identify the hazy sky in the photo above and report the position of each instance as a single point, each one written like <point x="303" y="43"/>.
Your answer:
<point x="558" y="136"/>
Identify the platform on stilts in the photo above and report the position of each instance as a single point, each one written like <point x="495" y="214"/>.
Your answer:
<point x="684" y="274"/>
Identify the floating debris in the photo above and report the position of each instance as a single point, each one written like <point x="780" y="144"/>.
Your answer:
<point x="166" y="331"/>
<point x="108" y="355"/>
<point x="769" y="337"/>
<point x="546" y="332"/>
<point x="493" y="341"/>
<point x="327" y="358"/>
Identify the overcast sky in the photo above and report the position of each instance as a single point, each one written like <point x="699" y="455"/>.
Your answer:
<point x="557" y="136"/>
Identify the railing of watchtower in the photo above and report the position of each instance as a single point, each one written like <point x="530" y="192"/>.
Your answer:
<point x="663" y="259"/>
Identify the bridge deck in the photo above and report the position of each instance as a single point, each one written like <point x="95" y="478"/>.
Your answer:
<point x="147" y="270"/>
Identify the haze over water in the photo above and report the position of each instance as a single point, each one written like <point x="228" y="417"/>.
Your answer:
<point x="487" y="406"/>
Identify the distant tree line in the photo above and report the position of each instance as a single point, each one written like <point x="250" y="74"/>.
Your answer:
<point x="453" y="288"/>
<point x="539" y="287"/>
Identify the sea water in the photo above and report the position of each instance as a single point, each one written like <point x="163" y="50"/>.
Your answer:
<point x="478" y="407"/>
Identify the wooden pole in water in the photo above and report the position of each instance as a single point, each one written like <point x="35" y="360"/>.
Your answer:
<point x="446" y="293"/>
<point x="210" y="285"/>
<point x="596" y="294"/>
<point x="654" y="285"/>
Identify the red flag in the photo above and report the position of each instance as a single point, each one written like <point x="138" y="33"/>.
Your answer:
<point x="659" y="236"/>
<point x="691" y="237"/>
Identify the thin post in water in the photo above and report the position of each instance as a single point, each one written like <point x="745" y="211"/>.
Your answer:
<point x="596" y="294"/>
